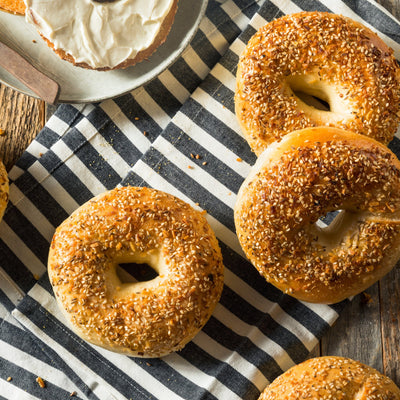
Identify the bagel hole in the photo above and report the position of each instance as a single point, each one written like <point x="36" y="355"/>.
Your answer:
<point x="336" y="228"/>
<point x="329" y="217"/>
<point x="312" y="101"/>
<point x="135" y="272"/>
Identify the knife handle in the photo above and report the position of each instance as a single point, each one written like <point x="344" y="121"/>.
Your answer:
<point x="39" y="83"/>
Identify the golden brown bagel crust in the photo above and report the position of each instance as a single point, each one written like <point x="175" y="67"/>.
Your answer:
<point x="335" y="378"/>
<point x="330" y="52"/>
<point x="295" y="182"/>
<point x="4" y="189"/>
<point x="13" y="6"/>
<point x="144" y="319"/>
<point x="141" y="56"/>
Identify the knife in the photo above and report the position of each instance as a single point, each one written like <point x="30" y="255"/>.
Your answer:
<point x="47" y="89"/>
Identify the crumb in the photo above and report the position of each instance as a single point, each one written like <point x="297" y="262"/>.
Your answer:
<point x="137" y="118"/>
<point x="36" y="277"/>
<point x="196" y="204"/>
<point x="2" y="132"/>
<point x="366" y="298"/>
<point x="229" y="193"/>
<point x="148" y="364"/>
<point x="145" y="133"/>
<point x="198" y="156"/>
<point x="34" y="41"/>
<point x="40" y="154"/>
<point x="40" y="381"/>
<point x="72" y="394"/>
<point x="9" y="379"/>
<point x="190" y="167"/>
<point x="239" y="159"/>
<point x="204" y="163"/>
<point x="192" y="155"/>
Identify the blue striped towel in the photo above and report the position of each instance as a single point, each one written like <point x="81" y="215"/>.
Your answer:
<point x="146" y="138"/>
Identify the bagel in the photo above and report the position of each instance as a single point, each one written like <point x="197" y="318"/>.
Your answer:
<point x="335" y="378"/>
<point x="4" y="189"/>
<point x="295" y="182"/>
<point x="92" y="34"/>
<point x="136" y="225"/>
<point x="13" y="6"/>
<point x="319" y="54"/>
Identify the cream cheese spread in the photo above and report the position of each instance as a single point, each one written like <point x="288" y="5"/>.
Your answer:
<point x="100" y="34"/>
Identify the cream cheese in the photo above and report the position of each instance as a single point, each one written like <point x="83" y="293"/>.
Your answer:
<point x="100" y="34"/>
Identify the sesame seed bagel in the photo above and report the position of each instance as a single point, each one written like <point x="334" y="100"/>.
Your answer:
<point x="297" y="181"/>
<point x="136" y="225"/>
<point x="335" y="378"/>
<point x="13" y="6"/>
<point x="92" y="34"/>
<point x="4" y="189"/>
<point x="317" y="54"/>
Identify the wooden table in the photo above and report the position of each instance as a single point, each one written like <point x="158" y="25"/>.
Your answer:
<point x="368" y="330"/>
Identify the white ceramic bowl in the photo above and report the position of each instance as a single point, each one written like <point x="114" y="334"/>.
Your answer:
<point x="79" y="85"/>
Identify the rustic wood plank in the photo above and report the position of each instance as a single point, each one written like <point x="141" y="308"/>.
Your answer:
<point x="357" y="332"/>
<point x="393" y="6"/>
<point x="21" y="118"/>
<point x="390" y="322"/>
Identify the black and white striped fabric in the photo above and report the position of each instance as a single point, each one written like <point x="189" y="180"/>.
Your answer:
<point x="146" y="138"/>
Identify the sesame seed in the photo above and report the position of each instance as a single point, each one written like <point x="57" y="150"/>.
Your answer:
<point x="331" y="378"/>
<point x="275" y="219"/>
<point x="136" y="225"/>
<point x="346" y="57"/>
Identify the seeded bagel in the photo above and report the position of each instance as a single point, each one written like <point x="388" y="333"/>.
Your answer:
<point x="13" y="6"/>
<point x="335" y="378"/>
<point x="328" y="56"/>
<point x="295" y="182"/>
<point x="136" y="225"/>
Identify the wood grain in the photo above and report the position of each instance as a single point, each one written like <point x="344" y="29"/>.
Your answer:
<point x="390" y="323"/>
<point x="21" y="118"/>
<point x="357" y="332"/>
<point x="393" y="6"/>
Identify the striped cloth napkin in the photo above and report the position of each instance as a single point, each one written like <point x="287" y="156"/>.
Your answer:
<point x="149" y="138"/>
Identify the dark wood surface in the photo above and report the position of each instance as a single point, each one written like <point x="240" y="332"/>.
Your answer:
<point x="368" y="330"/>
